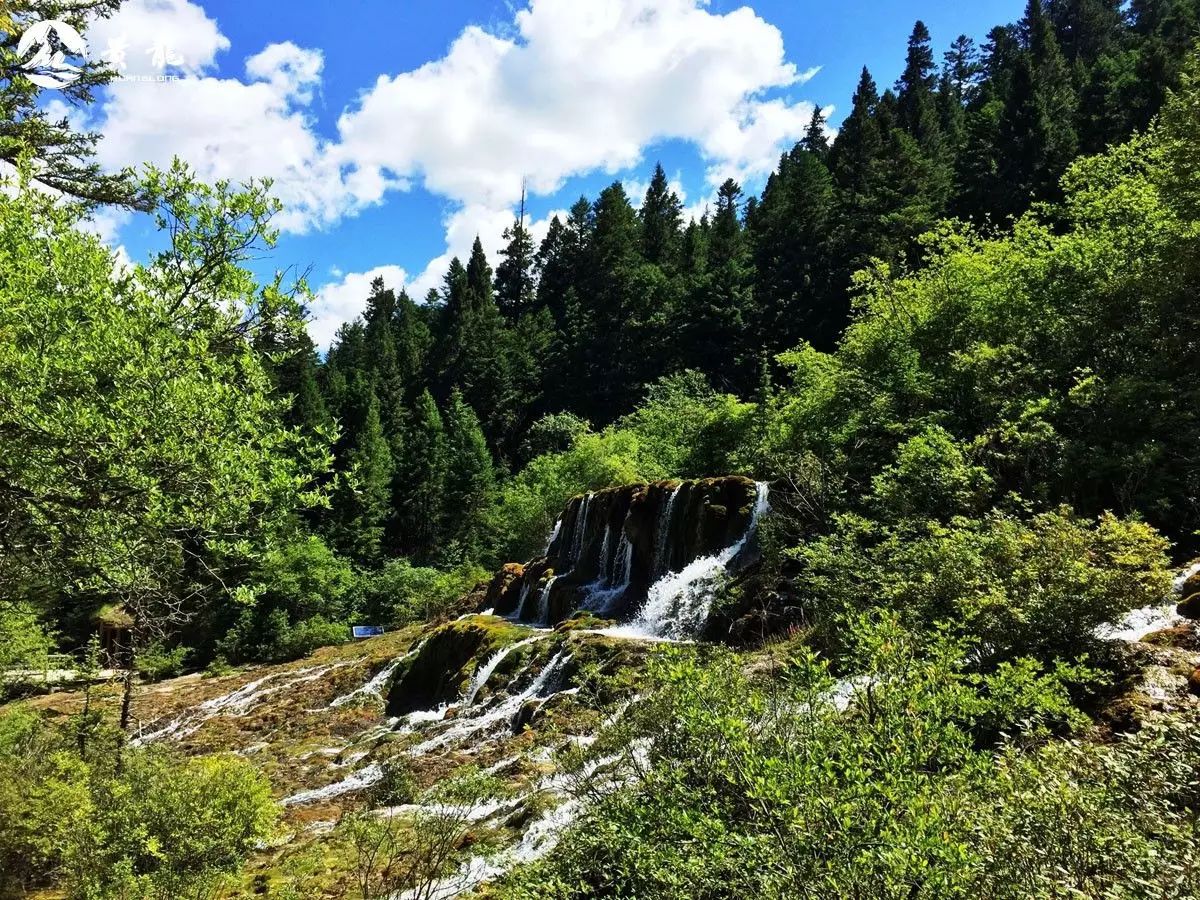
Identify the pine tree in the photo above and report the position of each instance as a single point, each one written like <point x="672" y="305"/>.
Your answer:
<point x="1086" y="30"/>
<point x="660" y="216"/>
<point x="515" y="288"/>
<point x="419" y="488"/>
<point x="308" y="411"/>
<point x="915" y="91"/>
<point x="1037" y="130"/>
<point x="470" y="476"/>
<point x="361" y="498"/>
<point x="382" y="359"/>
<point x="859" y="144"/>
<point x="816" y="136"/>
<point x="794" y="299"/>
<point x="719" y="305"/>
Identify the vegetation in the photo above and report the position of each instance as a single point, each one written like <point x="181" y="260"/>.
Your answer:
<point x="959" y="340"/>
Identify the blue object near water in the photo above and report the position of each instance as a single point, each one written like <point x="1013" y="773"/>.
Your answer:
<point x="366" y="631"/>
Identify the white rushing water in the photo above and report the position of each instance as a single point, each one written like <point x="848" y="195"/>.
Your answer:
<point x="363" y="778"/>
<point x="678" y="603"/>
<point x="553" y="534"/>
<point x="485" y="671"/>
<point x="543" y="616"/>
<point x="374" y="687"/>
<point x="658" y="565"/>
<point x="236" y="703"/>
<point x="473" y="720"/>
<point x="1149" y="619"/>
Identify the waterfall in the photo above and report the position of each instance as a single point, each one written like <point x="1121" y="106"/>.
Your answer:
<point x="525" y="589"/>
<point x="553" y="536"/>
<point x="486" y="670"/>
<point x="374" y="687"/>
<point x="678" y="604"/>
<point x="1140" y="622"/>
<point x="544" y="601"/>
<point x="603" y="570"/>
<point x="485" y="718"/>
<point x="660" y="563"/>
<point x="580" y="530"/>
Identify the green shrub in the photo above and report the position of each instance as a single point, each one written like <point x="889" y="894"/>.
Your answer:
<point x="168" y="827"/>
<point x="304" y="637"/>
<point x="1016" y="585"/>
<point x="400" y="593"/>
<point x="156" y="662"/>
<point x="936" y="782"/>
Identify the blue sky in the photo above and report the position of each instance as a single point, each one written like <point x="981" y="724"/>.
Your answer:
<point x="397" y="130"/>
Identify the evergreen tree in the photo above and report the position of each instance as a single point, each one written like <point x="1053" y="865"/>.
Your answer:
<point x="382" y="359"/>
<point x="816" y="137"/>
<point x="298" y="377"/>
<point x="660" y="216"/>
<point x="361" y="499"/>
<point x="859" y="145"/>
<point x="419" y="488"/>
<point x="515" y="288"/>
<point x="794" y="298"/>
<point x="720" y="303"/>
<point x="916" y="91"/>
<point x="64" y="157"/>
<point x="470" y="477"/>
<point x="1037" y="128"/>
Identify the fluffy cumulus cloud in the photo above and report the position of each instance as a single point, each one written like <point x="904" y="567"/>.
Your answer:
<point x="580" y="86"/>
<point x="571" y="87"/>
<point x="343" y="300"/>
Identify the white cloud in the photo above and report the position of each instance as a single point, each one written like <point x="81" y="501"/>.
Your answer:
<point x="145" y="37"/>
<point x="227" y="128"/>
<point x="580" y="87"/>
<point x="569" y="87"/>
<point x="344" y="300"/>
<point x="291" y="71"/>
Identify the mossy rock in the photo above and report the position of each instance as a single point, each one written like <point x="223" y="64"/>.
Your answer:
<point x="436" y="674"/>
<point x="504" y="590"/>
<point x="1191" y="585"/>
<point x="1181" y="637"/>
<point x="1190" y="608"/>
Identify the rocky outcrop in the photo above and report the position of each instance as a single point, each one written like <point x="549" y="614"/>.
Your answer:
<point x="609" y="546"/>
<point x="437" y="671"/>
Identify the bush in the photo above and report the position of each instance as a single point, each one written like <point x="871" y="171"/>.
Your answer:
<point x="748" y="789"/>
<point x="304" y="637"/>
<point x="169" y="827"/>
<point x="159" y="826"/>
<point x="1015" y="585"/>
<point x="156" y="662"/>
<point x="25" y="645"/>
<point x="400" y="593"/>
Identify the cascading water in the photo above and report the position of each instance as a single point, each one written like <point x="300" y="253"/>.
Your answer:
<point x="544" y="601"/>
<point x="662" y="545"/>
<point x="486" y="670"/>
<point x="526" y="588"/>
<point x="678" y="603"/>
<point x="553" y="536"/>
<point x="615" y="573"/>
<point x="580" y="529"/>
<point x="1141" y="622"/>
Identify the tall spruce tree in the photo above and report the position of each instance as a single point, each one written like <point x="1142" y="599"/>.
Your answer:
<point x="419" y="488"/>
<point x="470" y="477"/>
<point x="361" y="498"/>
<point x="660" y="216"/>
<point x="515" y="286"/>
